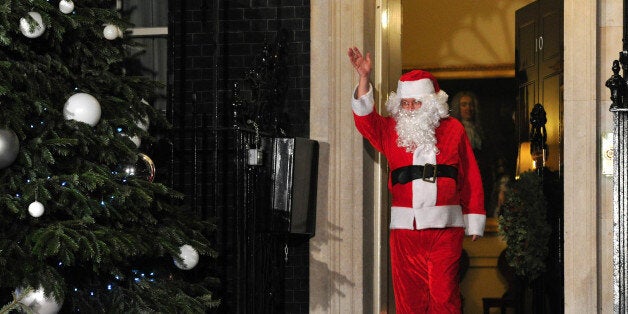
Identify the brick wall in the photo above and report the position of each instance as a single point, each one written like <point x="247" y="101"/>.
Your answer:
<point x="214" y="44"/>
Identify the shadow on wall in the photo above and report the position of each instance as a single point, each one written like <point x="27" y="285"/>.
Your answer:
<point x="324" y="282"/>
<point x="458" y="33"/>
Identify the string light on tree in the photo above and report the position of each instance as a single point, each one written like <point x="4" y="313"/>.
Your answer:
<point x="37" y="29"/>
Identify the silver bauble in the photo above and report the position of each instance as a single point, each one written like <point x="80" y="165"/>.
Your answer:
<point x="9" y="147"/>
<point x="189" y="257"/>
<point x="144" y="168"/>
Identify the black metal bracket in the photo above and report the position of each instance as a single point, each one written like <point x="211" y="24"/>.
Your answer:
<point x="267" y="80"/>
<point x="538" y="137"/>
<point x="617" y="85"/>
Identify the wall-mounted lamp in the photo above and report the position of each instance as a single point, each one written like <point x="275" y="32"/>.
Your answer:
<point x="528" y="160"/>
<point x="385" y="19"/>
<point x="524" y="159"/>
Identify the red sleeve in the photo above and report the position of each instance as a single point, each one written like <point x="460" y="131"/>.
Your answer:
<point x="373" y="127"/>
<point x="470" y="184"/>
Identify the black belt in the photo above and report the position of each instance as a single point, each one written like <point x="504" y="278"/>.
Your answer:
<point x="428" y="173"/>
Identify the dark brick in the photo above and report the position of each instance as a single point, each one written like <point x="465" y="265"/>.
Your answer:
<point x="286" y="13"/>
<point x="261" y="13"/>
<point x="211" y="55"/>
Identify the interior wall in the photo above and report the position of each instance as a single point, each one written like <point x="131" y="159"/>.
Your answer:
<point x="463" y="36"/>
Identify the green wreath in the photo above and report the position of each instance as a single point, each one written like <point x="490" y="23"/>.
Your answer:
<point x="524" y="227"/>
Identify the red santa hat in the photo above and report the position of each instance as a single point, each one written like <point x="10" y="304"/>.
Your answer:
<point x="416" y="84"/>
<point x="420" y="85"/>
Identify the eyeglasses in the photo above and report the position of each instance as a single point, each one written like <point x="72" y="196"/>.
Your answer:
<point x="406" y="103"/>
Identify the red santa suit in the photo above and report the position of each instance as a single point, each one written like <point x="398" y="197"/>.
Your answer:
<point x="428" y="219"/>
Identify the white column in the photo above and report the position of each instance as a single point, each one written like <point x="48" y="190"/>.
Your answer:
<point x="580" y="127"/>
<point x="336" y="252"/>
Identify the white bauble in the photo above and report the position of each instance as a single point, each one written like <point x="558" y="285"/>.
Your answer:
<point x="37" y="301"/>
<point x="25" y="27"/>
<point x="135" y="139"/>
<point x="189" y="256"/>
<point x="66" y="6"/>
<point x="36" y="209"/>
<point x="82" y="107"/>
<point x="143" y="124"/>
<point x="111" y="32"/>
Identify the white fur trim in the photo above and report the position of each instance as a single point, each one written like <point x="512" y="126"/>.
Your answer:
<point x="393" y="103"/>
<point x="415" y="89"/>
<point x="474" y="224"/>
<point x="363" y="105"/>
<point x="426" y="217"/>
<point x="423" y="193"/>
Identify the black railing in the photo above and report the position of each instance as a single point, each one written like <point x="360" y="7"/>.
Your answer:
<point x="619" y="107"/>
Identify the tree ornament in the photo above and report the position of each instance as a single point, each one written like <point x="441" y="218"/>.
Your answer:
<point x="25" y="26"/>
<point x="189" y="257"/>
<point x="144" y="168"/>
<point x="36" y="209"/>
<point x="38" y="302"/>
<point x="143" y="123"/>
<point x="135" y="139"/>
<point x="9" y="147"/>
<point x="111" y="32"/>
<point x="82" y="107"/>
<point x="66" y="6"/>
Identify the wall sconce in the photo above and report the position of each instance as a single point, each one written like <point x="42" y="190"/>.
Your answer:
<point x="528" y="160"/>
<point x="385" y="19"/>
<point x="524" y="159"/>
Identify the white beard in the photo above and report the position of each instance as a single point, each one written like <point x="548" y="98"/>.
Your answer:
<point x="416" y="128"/>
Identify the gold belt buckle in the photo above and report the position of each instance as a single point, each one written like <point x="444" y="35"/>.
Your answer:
<point x="426" y="173"/>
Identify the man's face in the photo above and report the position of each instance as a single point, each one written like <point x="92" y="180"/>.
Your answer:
<point x="410" y="104"/>
<point x="467" y="109"/>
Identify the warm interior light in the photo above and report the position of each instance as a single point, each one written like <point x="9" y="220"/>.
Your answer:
<point x="385" y="19"/>
<point x="524" y="159"/>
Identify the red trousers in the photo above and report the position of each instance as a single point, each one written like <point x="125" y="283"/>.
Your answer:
<point x="425" y="266"/>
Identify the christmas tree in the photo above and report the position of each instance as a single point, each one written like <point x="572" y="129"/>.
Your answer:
<point x="84" y="227"/>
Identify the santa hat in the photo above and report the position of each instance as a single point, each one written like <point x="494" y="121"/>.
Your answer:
<point x="420" y="85"/>
<point x="416" y="84"/>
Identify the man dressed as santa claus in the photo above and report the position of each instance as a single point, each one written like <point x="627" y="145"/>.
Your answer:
<point x="435" y="183"/>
